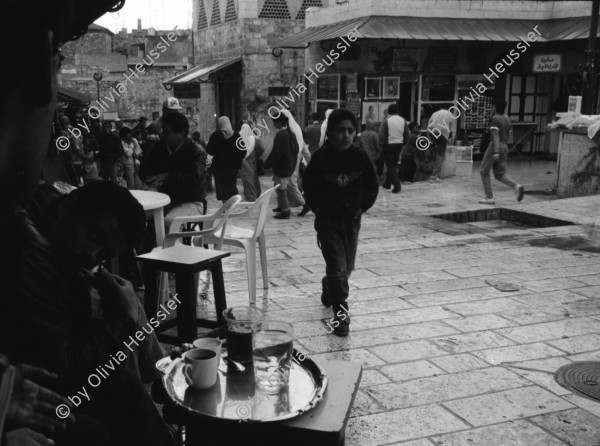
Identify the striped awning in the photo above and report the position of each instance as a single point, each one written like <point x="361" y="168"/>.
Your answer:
<point x="423" y="28"/>
<point x="201" y="72"/>
<point x="66" y="94"/>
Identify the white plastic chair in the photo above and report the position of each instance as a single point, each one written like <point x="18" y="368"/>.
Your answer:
<point x="211" y="224"/>
<point x="247" y="238"/>
<point x="215" y="221"/>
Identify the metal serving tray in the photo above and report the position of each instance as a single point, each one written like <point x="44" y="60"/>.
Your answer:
<point x="235" y="396"/>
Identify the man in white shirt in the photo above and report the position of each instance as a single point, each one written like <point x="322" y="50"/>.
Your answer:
<point x="441" y="125"/>
<point x="392" y="135"/>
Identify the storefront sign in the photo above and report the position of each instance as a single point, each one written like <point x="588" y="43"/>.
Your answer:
<point x="547" y="63"/>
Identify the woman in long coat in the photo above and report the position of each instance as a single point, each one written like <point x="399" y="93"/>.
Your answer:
<point x="227" y="151"/>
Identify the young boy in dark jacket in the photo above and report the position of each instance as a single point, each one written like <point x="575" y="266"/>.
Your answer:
<point x="339" y="186"/>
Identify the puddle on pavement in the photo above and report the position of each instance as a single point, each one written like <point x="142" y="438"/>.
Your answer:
<point x="570" y="243"/>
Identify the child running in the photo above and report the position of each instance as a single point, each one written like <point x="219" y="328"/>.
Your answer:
<point x="339" y="186"/>
<point x="496" y="155"/>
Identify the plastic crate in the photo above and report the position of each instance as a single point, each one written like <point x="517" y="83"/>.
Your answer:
<point x="464" y="154"/>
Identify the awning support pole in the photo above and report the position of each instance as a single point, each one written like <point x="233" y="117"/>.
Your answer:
<point x="589" y="73"/>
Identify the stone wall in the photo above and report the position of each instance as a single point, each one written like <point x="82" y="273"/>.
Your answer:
<point x="252" y="39"/>
<point x="144" y="94"/>
<point x="92" y="43"/>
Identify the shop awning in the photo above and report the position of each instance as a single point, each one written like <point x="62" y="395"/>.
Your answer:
<point x="201" y="72"/>
<point x="66" y="94"/>
<point x="421" y="28"/>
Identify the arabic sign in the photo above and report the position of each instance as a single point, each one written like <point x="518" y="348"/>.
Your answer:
<point x="547" y="63"/>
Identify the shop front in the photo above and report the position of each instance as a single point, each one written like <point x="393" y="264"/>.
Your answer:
<point x="426" y="64"/>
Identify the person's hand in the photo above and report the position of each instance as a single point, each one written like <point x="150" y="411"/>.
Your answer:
<point x="27" y="437"/>
<point x="33" y="405"/>
<point x="496" y="156"/>
<point x="117" y="294"/>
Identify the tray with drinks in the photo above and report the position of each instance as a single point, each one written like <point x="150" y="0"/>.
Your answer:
<point x="250" y="392"/>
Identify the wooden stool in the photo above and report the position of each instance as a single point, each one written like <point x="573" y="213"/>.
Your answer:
<point x="185" y="262"/>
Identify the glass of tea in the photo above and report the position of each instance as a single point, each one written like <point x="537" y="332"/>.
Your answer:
<point x="241" y="323"/>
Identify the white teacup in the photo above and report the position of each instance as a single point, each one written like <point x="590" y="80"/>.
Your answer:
<point x="200" y="368"/>
<point x="213" y="344"/>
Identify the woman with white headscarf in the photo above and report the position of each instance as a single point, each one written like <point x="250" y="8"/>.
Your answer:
<point x="294" y="189"/>
<point x="283" y="159"/>
<point x="227" y="149"/>
<point x="324" y="127"/>
<point x="249" y="172"/>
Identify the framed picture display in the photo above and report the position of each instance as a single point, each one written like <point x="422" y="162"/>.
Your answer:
<point x="370" y="112"/>
<point x="391" y="88"/>
<point x="372" y="87"/>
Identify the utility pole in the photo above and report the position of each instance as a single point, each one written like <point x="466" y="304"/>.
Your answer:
<point x="590" y="82"/>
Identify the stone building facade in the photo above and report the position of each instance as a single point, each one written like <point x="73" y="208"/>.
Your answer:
<point x="424" y="55"/>
<point x="116" y="56"/>
<point x="247" y="29"/>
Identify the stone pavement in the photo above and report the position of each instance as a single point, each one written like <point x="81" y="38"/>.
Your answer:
<point x="450" y="359"/>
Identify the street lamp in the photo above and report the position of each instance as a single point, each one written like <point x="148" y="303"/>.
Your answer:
<point x="97" y="77"/>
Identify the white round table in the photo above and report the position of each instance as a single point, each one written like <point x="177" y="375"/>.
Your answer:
<point x="155" y="202"/>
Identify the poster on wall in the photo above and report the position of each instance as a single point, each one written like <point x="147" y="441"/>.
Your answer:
<point x="352" y="83"/>
<point x="327" y="87"/>
<point x="443" y="59"/>
<point x="370" y="112"/>
<point x="353" y="104"/>
<point x="405" y="59"/>
<point x="391" y="88"/>
<point x="372" y="87"/>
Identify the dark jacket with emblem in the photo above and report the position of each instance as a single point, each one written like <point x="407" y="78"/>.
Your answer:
<point x="340" y="184"/>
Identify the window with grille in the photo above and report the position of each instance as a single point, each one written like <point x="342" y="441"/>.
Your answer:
<point x="275" y="9"/>
<point x="230" y="11"/>
<point x="305" y="5"/>
<point x="216" y="13"/>
<point x="202" y="19"/>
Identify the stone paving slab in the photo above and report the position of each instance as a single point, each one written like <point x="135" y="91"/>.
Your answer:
<point x="398" y="425"/>
<point x="518" y="433"/>
<point x="448" y="358"/>
<point x="507" y="405"/>
<point x="442" y="388"/>
<point x="576" y="427"/>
